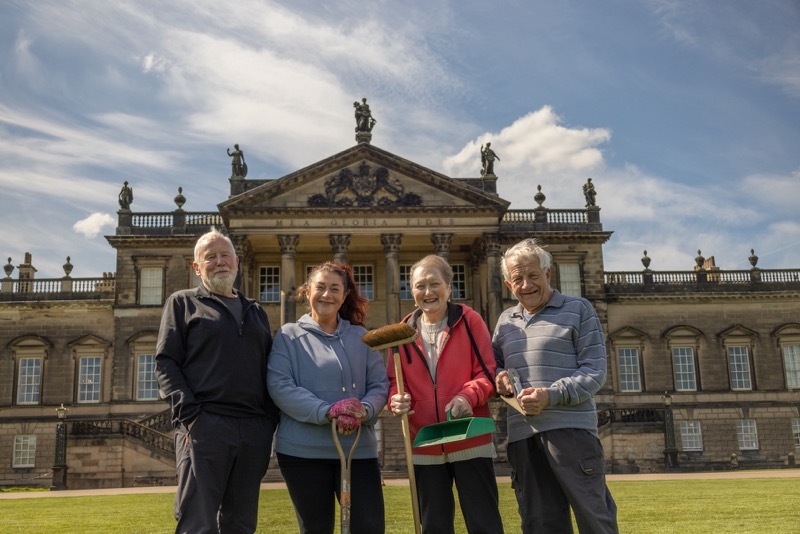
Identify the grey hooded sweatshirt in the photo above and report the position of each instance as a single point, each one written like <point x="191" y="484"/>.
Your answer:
<point x="308" y="371"/>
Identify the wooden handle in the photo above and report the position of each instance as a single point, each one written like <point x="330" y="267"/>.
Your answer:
<point x="398" y="371"/>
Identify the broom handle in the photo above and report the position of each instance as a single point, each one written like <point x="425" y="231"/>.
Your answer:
<point x="398" y="371"/>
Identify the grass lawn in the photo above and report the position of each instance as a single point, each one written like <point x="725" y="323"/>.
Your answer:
<point x="660" y="507"/>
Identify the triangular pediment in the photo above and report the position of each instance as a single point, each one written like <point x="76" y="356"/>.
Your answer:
<point x="88" y="341"/>
<point x="737" y="331"/>
<point x="365" y="179"/>
<point x="628" y="333"/>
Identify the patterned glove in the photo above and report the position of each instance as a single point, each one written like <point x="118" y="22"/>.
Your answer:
<point x="348" y="413"/>
<point x="351" y="407"/>
<point x="346" y="425"/>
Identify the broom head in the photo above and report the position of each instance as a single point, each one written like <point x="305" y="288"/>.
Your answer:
<point x="392" y="335"/>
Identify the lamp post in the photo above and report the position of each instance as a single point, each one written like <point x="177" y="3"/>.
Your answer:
<point x="670" y="449"/>
<point x="60" y="464"/>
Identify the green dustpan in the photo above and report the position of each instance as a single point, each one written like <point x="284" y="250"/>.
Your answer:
<point x="453" y="430"/>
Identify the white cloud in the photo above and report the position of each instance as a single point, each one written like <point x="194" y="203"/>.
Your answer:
<point x="94" y="224"/>
<point x="152" y="63"/>
<point x="778" y="192"/>
<point x="537" y="143"/>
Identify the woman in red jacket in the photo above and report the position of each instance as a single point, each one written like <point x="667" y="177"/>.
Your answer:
<point x="449" y="368"/>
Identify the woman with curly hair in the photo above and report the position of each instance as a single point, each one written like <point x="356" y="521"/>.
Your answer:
<point x="320" y="369"/>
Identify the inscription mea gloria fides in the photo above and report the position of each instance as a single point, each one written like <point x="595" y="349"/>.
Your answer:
<point x="363" y="187"/>
<point x="346" y="222"/>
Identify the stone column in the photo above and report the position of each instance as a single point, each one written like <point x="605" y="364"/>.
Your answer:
<point x="495" y="293"/>
<point x="391" y="246"/>
<point x="288" y="245"/>
<point x="475" y="268"/>
<point x="441" y="244"/>
<point x="244" y="279"/>
<point x="339" y="244"/>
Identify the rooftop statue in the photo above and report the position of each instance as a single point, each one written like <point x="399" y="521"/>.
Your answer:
<point x="238" y="165"/>
<point x="364" y="120"/>
<point x="487" y="160"/>
<point x="125" y="196"/>
<point x="589" y="193"/>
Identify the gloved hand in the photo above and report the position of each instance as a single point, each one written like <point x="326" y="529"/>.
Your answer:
<point x="346" y="424"/>
<point x="351" y="407"/>
<point x="348" y="413"/>
<point x="458" y="407"/>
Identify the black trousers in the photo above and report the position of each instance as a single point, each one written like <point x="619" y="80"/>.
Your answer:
<point x="477" y="494"/>
<point x="558" y="469"/>
<point x="314" y="486"/>
<point x="220" y="464"/>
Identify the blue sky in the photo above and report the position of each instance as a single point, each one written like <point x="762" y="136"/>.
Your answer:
<point x="685" y="114"/>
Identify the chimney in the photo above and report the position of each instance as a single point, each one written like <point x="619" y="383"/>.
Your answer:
<point x="27" y="273"/>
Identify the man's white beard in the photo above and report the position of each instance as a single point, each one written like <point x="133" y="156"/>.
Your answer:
<point x="221" y="284"/>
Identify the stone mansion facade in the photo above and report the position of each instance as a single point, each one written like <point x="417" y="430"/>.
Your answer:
<point x="703" y="364"/>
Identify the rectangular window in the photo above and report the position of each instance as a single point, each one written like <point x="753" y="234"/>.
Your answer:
<point x="691" y="436"/>
<point x="683" y="360"/>
<point x="269" y="284"/>
<point x="747" y="433"/>
<point x="459" y="286"/>
<point x="24" y="452"/>
<point x="569" y="277"/>
<point x="89" y="379"/>
<point x="405" y="283"/>
<point x="791" y="362"/>
<point x="151" y="286"/>
<point x="739" y="364"/>
<point x="30" y="380"/>
<point x="365" y="278"/>
<point x="146" y="385"/>
<point x="629" y="374"/>
<point x="796" y="432"/>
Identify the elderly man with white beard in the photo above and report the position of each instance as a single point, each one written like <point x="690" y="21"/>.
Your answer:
<point x="211" y="363"/>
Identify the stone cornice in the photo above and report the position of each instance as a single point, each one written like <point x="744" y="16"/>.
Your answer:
<point x="372" y="211"/>
<point x="701" y="298"/>
<point x="550" y="238"/>
<point x="152" y="241"/>
<point x="36" y="305"/>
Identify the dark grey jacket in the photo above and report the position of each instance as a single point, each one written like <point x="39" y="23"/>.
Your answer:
<point x="205" y="361"/>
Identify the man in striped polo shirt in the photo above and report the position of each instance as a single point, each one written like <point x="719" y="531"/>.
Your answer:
<point x="555" y="345"/>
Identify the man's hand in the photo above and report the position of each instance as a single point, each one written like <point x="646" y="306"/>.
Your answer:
<point x="503" y="383"/>
<point x="534" y="400"/>
<point x="459" y="407"/>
